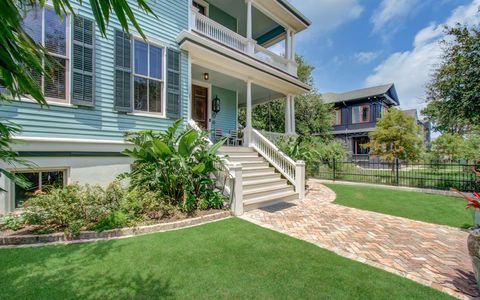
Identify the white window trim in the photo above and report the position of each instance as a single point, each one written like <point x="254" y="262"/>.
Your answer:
<point x="150" y="41"/>
<point x="204" y="4"/>
<point x="66" y="181"/>
<point x="67" y="57"/>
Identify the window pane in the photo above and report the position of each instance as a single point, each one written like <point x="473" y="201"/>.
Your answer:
<point x="365" y="113"/>
<point x="55" y="33"/>
<point x="141" y="58"/>
<point x="52" y="179"/>
<point x="355" y="114"/>
<point x="140" y="94"/>
<point x="55" y="85"/>
<point x="156" y="62"/>
<point x="338" y="117"/>
<point x="32" y="23"/>
<point x="22" y="194"/>
<point x="155" y="96"/>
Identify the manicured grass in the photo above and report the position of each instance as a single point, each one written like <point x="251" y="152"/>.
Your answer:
<point x="429" y="208"/>
<point x="231" y="259"/>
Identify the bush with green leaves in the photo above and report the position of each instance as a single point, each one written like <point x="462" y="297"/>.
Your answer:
<point x="73" y="207"/>
<point x="313" y="150"/>
<point x="175" y="164"/>
<point x="13" y="222"/>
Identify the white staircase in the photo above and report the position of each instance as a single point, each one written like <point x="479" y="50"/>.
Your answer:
<point x="261" y="184"/>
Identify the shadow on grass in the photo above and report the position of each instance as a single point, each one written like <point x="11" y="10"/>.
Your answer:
<point x="61" y="272"/>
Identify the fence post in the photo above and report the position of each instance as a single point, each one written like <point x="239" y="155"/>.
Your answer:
<point x="237" y="199"/>
<point x="300" y="178"/>
<point x="397" y="171"/>
<point x="334" y="169"/>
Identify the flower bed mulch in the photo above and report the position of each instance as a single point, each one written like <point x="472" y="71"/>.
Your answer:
<point x="25" y="236"/>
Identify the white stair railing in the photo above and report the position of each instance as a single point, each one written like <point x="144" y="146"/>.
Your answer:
<point x="218" y="32"/>
<point x="228" y="177"/>
<point x="291" y="170"/>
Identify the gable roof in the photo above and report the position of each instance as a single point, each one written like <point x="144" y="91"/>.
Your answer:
<point x="386" y="90"/>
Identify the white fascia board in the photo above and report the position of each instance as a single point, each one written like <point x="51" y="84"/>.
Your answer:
<point x="239" y="65"/>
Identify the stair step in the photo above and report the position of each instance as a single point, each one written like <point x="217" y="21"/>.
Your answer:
<point x="269" y="200"/>
<point x="254" y="164"/>
<point x="252" y="183"/>
<point x="260" y="175"/>
<point x="226" y="149"/>
<point x="245" y="159"/>
<point x="264" y="191"/>
<point x="240" y="154"/>
<point x="255" y="169"/>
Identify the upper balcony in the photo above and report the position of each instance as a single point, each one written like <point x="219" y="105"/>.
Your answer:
<point x="251" y="27"/>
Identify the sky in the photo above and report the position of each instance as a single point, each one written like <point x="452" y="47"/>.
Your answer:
<point x="360" y="43"/>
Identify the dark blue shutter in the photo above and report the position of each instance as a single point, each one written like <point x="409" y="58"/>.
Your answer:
<point x="83" y="78"/>
<point x="123" y="71"/>
<point x="174" y="109"/>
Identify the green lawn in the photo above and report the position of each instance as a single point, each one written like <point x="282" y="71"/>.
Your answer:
<point x="227" y="259"/>
<point x="412" y="205"/>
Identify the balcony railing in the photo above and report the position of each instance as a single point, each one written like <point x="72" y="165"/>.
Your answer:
<point x="219" y="33"/>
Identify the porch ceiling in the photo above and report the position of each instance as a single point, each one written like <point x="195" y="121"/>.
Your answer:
<point x="260" y="94"/>
<point x="238" y="9"/>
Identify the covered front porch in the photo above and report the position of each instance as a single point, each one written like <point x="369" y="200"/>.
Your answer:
<point x="216" y="99"/>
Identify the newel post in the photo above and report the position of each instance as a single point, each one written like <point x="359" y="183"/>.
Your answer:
<point x="237" y="197"/>
<point x="300" y="178"/>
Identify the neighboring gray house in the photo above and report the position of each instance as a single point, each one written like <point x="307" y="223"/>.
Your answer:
<point x="426" y="127"/>
<point x="357" y="113"/>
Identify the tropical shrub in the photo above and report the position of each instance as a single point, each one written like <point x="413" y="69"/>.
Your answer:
<point x="176" y="165"/>
<point x="13" y="222"/>
<point x="314" y="151"/>
<point x="73" y="207"/>
<point x="116" y="219"/>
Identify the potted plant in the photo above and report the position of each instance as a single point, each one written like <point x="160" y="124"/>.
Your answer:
<point x="473" y="242"/>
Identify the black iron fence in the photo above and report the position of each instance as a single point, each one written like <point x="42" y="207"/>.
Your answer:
<point x="430" y="175"/>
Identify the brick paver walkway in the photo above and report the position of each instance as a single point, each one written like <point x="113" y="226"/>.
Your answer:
<point x="431" y="254"/>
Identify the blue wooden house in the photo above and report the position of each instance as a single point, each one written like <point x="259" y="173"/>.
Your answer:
<point x="357" y="113"/>
<point x="198" y="54"/>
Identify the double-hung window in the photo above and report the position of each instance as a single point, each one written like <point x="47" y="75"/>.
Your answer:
<point x="45" y="28"/>
<point x="361" y="114"/>
<point x="148" y="77"/>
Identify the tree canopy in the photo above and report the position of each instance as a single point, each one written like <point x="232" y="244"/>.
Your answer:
<point x="396" y="136"/>
<point x="312" y="115"/>
<point x="453" y="94"/>
<point x="450" y="146"/>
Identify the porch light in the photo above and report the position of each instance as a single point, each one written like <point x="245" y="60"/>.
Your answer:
<point x="206" y="76"/>
<point x="216" y="105"/>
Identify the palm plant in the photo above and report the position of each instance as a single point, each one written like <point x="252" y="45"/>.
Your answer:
<point x="175" y="165"/>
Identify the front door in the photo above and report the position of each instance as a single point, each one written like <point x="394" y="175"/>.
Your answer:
<point x="200" y="106"/>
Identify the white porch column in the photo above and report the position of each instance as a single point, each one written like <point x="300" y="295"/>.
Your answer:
<point x="248" y="126"/>
<point x="292" y="114"/>
<point x="288" y="45"/>
<point x="251" y="44"/>
<point x="288" y="122"/>
<point x="292" y="45"/>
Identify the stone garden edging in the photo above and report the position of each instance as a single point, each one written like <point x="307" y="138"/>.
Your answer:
<point x="87" y="236"/>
